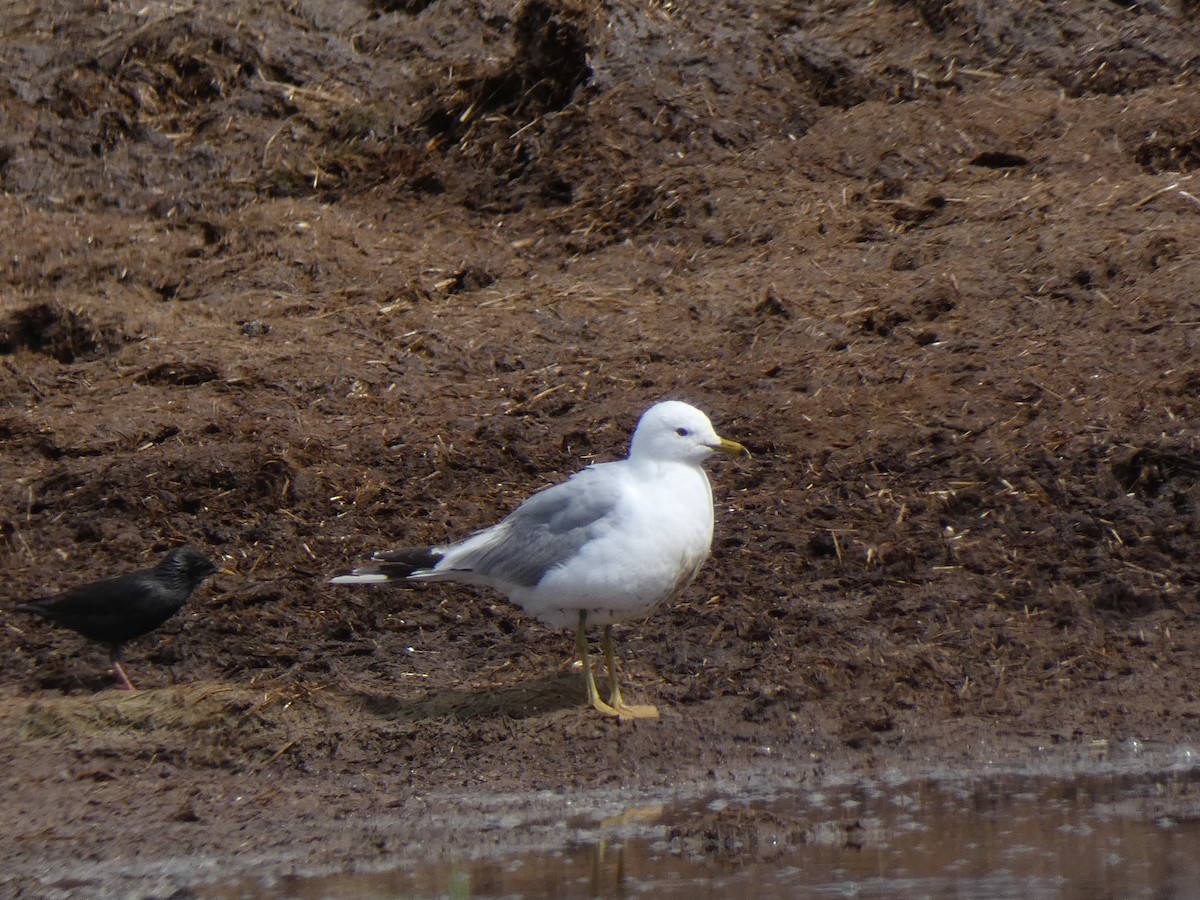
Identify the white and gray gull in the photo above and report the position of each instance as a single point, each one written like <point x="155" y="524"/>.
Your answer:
<point x="608" y="545"/>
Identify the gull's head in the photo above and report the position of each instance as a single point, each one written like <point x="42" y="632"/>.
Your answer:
<point x="675" y="431"/>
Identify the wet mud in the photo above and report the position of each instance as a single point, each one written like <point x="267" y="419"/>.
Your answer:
<point x="298" y="282"/>
<point x="1103" y="827"/>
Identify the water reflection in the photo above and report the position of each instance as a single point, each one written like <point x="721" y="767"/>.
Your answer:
<point x="1006" y="836"/>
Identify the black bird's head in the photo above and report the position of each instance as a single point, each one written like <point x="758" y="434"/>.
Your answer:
<point x="186" y="565"/>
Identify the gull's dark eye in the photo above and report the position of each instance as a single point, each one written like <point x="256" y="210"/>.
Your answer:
<point x="682" y="432"/>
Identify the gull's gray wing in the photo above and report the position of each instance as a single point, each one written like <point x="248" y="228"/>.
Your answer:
<point x="543" y="532"/>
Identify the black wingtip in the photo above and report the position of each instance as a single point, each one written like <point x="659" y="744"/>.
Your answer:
<point x="404" y="562"/>
<point x="390" y="565"/>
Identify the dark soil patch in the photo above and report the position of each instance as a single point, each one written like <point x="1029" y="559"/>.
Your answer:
<point x="295" y="283"/>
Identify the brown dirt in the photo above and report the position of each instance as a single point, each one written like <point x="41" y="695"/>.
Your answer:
<point x="299" y="281"/>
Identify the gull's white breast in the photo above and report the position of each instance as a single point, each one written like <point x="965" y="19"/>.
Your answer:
<point x="646" y="550"/>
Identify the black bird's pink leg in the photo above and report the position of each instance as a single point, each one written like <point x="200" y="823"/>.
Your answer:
<point x="115" y="655"/>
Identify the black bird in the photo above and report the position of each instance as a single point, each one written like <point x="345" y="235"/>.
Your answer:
<point x="119" y="609"/>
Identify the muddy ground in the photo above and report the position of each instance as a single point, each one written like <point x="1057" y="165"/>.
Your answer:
<point x="298" y="281"/>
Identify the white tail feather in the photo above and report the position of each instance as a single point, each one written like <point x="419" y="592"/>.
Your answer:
<point x="374" y="578"/>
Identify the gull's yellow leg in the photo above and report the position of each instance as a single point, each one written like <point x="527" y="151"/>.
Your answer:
<point x="581" y="648"/>
<point x="622" y="708"/>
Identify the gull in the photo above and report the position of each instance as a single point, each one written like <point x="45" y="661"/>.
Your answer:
<point x="608" y="545"/>
<point x="119" y="609"/>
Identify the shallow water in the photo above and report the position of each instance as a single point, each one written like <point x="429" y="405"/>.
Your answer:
<point x="1092" y="834"/>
